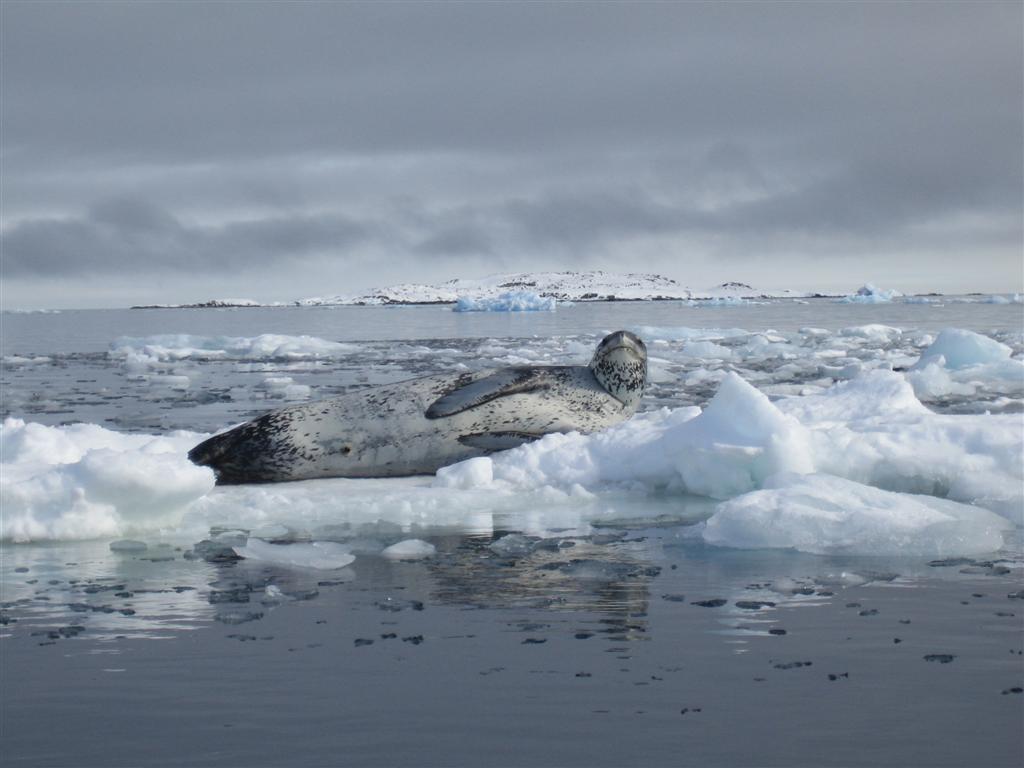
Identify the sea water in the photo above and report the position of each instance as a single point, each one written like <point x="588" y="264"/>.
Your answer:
<point x="572" y="602"/>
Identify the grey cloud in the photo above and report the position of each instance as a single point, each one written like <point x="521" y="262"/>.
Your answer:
<point x="173" y="80"/>
<point x="119" y="235"/>
<point x="162" y="137"/>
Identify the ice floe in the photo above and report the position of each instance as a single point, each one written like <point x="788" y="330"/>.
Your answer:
<point x="323" y="555"/>
<point x="961" y="362"/>
<point x="510" y="301"/>
<point x="843" y="407"/>
<point x="825" y="514"/>
<point x="164" y="348"/>
<point x="83" y="481"/>
<point x="409" y="549"/>
<point x="869" y="294"/>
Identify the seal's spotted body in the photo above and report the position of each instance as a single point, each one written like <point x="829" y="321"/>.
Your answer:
<point x="417" y="426"/>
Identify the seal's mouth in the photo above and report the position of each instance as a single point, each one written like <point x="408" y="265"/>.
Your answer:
<point x="631" y="348"/>
<point x="625" y="341"/>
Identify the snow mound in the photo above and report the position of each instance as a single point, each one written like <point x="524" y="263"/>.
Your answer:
<point x="320" y="555"/>
<point x="83" y="481"/>
<point x="830" y="515"/>
<point x="510" y="301"/>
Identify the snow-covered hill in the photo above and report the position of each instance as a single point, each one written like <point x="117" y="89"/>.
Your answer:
<point x="561" y="286"/>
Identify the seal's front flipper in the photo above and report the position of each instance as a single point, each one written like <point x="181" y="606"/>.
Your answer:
<point x="511" y="381"/>
<point x="492" y="442"/>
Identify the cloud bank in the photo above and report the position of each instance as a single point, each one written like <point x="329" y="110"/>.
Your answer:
<point x="276" y="148"/>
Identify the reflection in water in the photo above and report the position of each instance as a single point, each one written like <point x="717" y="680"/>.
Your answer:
<point x="604" y="582"/>
<point x="564" y="575"/>
<point x="153" y="594"/>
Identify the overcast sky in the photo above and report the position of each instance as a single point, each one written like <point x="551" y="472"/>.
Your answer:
<point x="186" y="151"/>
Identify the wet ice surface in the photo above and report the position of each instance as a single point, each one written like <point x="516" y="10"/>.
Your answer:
<point x="382" y="622"/>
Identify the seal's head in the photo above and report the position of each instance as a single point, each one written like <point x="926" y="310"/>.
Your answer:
<point x="620" y="366"/>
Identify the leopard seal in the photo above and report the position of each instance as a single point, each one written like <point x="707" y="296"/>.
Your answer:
<point x="418" y="426"/>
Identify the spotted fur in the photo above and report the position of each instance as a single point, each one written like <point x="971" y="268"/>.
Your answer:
<point x="417" y="426"/>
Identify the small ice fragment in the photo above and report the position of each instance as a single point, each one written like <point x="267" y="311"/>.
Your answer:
<point x="322" y="555"/>
<point x="513" y="545"/>
<point x="128" y="545"/>
<point x="410" y="549"/>
<point x="273" y="593"/>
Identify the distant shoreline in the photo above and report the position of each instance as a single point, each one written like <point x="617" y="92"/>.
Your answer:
<point x="443" y="302"/>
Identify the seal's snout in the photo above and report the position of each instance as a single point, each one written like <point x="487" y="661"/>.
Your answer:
<point x="628" y="342"/>
<point x="207" y="453"/>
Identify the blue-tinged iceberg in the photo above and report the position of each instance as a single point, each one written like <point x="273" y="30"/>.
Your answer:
<point x="510" y="301"/>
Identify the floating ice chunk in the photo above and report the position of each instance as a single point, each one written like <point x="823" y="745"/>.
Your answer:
<point x="720" y="301"/>
<point x="869" y="294"/>
<point x="873" y="332"/>
<point x="960" y="348"/>
<point x="934" y="381"/>
<point x="284" y="387"/>
<point x="83" y="481"/>
<point x="273" y="593"/>
<point x="321" y="555"/>
<point x="512" y="301"/>
<point x="513" y="545"/>
<point x="147" y="351"/>
<point x="410" y="549"/>
<point x="20" y="360"/>
<point x="823" y="514"/>
<point x="179" y="383"/>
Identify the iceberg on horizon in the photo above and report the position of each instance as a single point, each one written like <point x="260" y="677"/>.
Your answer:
<point x="510" y="301"/>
